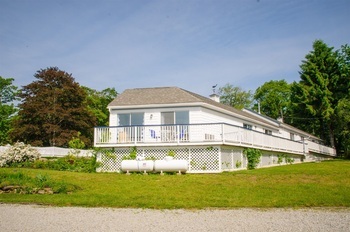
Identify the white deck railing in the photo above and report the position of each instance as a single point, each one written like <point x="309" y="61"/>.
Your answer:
<point x="320" y="149"/>
<point x="199" y="134"/>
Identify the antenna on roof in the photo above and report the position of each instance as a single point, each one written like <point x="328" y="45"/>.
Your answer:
<point x="214" y="96"/>
<point x="214" y="86"/>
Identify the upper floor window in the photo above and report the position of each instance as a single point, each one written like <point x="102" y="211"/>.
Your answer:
<point x="175" y="117"/>
<point x="268" y="132"/>
<point x="292" y="136"/>
<point x="131" y="119"/>
<point x="247" y="126"/>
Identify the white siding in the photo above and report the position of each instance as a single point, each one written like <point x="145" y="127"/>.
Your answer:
<point x="203" y="115"/>
<point x="151" y="116"/>
<point x="199" y="115"/>
<point x="286" y="134"/>
<point x="265" y="160"/>
<point x="113" y="119"/>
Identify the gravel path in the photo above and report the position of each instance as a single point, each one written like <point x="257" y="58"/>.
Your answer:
<point x="14" y="217"/>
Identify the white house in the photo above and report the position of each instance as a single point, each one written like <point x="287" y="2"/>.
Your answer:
<point x="211" y="136"/>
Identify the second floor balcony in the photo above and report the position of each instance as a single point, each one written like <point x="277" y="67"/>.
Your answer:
<point x="202" y="134"/>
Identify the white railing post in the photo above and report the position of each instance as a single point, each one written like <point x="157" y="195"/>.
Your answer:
<point x="223" y="132"/>
<point x="95" y="136"/>
<point x="135" y="135"/>
<point x="239" y="137"/>
<point x="178" y="134"/>
<point x="111" y="134"/>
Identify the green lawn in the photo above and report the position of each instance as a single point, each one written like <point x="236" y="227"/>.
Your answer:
<point x="325" y="184"/>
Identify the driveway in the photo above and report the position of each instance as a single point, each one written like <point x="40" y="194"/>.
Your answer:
<point x="15" y="217"/>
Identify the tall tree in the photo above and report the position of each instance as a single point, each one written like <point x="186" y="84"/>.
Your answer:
<point x="343" y="85"/>
<point x="53" y="111"/>
<point x="274" y="98"/>
<point x="343" y="127"/>
<point x="235" y="96"/>
<point x="97" y="102"/>
<point x="8" y="94"/>
<point x="343" y="104"/>
<point x="314" y="95"/>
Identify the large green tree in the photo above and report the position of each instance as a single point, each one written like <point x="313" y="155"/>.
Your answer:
<point x="316" y="95"/>
<point x="343" y="85"/>
<point x="235" y="96"/>
<point x="343" y="127"/>
<point x="8" y="94"/>
<point x="97" y="102"/>
<point x="343" y="105"/>
<point x="53" y="111"/>
<point x="274" y="98"/>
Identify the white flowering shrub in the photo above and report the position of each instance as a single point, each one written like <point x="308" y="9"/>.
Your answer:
<point x="18" y="153"/>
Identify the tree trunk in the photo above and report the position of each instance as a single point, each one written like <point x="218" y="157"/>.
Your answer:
<point x="331" y="135"/>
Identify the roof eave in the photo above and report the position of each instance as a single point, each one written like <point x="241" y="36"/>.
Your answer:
<point x="239" y="116"/>
<point x="262" y="117"/>
<point x="150" y="106"/>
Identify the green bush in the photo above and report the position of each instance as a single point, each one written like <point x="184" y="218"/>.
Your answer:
<point x="253" y="157"/>
<point x="75" y="164"/>
<point x="132" y="155"/>
<point x="286" y="158"/>
<point x="76" y="142"/>
<point x="67" y="163"/>
<point x="238" y="164"/>
<point x="24" y="184"/>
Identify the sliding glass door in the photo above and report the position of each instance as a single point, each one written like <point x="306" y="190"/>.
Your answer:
<point x="128" y="133"/>
<point x="169" y="130"/>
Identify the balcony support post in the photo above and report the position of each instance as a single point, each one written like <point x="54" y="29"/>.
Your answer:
<point x="136" y="135"/>
<point x="178" y="134"/>
<point x="223" y="132"/>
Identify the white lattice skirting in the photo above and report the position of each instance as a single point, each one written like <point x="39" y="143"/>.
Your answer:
<point x="201" y="159"/>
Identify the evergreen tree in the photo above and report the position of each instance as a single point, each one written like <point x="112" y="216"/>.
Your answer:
<point x="314" y="96"/>
<point x="53" y="111"/>
<point x="343" y="127"/>
<point x="343" y="104"/>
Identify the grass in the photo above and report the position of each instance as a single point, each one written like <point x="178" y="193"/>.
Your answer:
<point x="325" y="184"/>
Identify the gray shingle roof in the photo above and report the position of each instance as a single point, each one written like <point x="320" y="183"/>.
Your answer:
<point x="148" y="96"/>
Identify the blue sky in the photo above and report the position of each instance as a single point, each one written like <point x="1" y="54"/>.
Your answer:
<point x="192" y="44"/>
